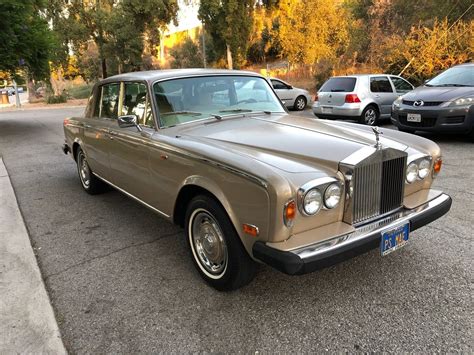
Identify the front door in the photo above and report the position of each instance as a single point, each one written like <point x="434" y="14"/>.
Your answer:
<point x="284" y="92"/>
<point x="129" y="153"/>
<point x="383" y="94"/>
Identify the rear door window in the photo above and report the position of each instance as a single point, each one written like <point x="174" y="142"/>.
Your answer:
<point x="380" y="84"/>
<point x="401" y="85"/>
<point x="109" y="101"/>
<point x="339" y="85"/>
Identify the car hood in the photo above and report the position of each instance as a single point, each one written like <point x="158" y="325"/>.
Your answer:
<point x="291" y="143"/>
<point x="433" y="93"/>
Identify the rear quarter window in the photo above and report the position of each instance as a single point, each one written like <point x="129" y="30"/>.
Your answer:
<point x="339" y="85"/>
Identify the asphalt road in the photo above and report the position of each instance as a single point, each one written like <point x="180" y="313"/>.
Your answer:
<point x="121" y="280"/>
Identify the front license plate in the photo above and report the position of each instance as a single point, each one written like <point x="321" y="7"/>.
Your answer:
<point x="326" y="109"/>
<point x="394" y="239"/>
<point x="413" y="117"/>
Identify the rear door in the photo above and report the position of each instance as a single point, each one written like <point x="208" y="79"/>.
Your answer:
<point x="334" y="91"/>
<point x="97" y="127"/>
<point x="383" y="94"/>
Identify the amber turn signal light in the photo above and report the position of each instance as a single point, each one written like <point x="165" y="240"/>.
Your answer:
<point x="289" y="213"/>
<point x="250" y="230"/>
<point x="437" y="166"/>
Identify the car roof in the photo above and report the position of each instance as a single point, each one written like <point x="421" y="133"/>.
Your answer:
<point x="153" y="75"/>
<point x="361" y="75"/>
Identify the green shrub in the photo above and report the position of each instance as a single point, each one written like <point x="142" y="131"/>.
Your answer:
<point x="80" y="91"/>
<point x="56" y="99"/>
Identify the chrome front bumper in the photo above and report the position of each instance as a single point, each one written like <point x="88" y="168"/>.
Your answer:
<point x="364" y="238"/>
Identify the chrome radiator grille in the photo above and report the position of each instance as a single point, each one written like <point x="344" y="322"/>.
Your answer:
<point x="377" y="188"/>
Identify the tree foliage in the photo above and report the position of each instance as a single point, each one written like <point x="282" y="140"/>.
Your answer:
<point x="26" y="42"/>
<point x="118" y="29"/>
<point x="186" y="55"/>
<point x="430" y="50"/>
<point x="229" y="23"/>
<point x="311" y="30"/>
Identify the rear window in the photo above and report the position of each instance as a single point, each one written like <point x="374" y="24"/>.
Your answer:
<point x="339" y="85"/>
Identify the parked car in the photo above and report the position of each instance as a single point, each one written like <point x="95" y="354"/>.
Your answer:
<point x="248" y="181"/>
<point x="291" y="97"/>
<point x="8" y="89"/>
<point x="366" y="98"/>
<point x="443" y="104"/>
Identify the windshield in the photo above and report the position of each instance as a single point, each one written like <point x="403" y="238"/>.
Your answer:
<point x="189" y="99"/>
<point x="456" y="76"/>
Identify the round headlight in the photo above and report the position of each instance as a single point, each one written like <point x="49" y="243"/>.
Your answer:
<point x="332" y="195"/>
<point x="412" y="172"/>
<point x="424" y="168"/>
<point x="312" y="201"/>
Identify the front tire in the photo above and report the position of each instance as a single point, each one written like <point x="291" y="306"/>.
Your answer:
<point x="370" y="116"/>
<point x="89" y="181"/>
<point x="216" y="249"/>
<point x="300" y="103"/>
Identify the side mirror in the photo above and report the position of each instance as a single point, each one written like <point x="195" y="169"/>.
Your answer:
<point x="425" y="81"/>
<point x="290" y="87"/>
<point x="128" y="121"/>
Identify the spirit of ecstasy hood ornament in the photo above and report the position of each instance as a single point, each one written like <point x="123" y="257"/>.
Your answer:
<point x="377" y="133"/>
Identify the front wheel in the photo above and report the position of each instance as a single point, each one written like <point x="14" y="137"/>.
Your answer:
<point x="300" y="103"/>
<point x="216" y="249"/>
<point x="370" y="116"/>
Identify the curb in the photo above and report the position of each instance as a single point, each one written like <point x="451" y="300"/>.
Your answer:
<point x="27" y="321"/>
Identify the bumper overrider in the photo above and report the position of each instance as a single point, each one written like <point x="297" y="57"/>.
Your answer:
<point x="362" y="239"/>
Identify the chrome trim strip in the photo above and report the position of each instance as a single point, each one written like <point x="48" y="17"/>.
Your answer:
<point x="367" y="230"/>
<point x="132" y="196"/>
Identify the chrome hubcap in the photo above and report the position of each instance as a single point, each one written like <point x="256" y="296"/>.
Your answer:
<point x="208" y="243"/>
<point x="84" y="172"/>
<point x="300" y="104"/>
<point x="370" y="116"/>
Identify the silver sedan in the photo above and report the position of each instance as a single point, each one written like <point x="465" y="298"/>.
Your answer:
<point x="291" y="97"/>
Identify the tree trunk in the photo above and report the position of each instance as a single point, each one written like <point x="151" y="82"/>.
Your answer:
<point x="30" y="86"/>
<point x="104" y="68"/>
<point x="229" y="58"/>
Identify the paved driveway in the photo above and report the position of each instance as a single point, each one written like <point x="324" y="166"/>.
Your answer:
<point x="121" y="280"/>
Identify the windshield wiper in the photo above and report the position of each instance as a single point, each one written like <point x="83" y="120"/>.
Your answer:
<point x="236" y="110"/>
<point x="457" y="85"/>
<point x="189" y="113"/>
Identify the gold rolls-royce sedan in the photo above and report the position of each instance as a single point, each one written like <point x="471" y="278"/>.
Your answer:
<point x="216" y="152"/>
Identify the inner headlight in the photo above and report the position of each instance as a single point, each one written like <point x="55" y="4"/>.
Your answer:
<point x="424" y="168"/>
<point x="312" y="201"/>
<point x="332" y="195"/>
<point x="462" y="101"/>
<point x="412" y="172"/>
<point x="397" y="102"/>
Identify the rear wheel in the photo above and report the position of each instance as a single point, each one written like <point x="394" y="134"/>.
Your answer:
<point x="300" y="103"/>
<point x="216" y="249"/>
<point x="89" y="181"/>
<point x="370" y="116"/>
